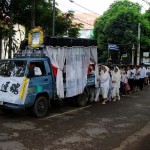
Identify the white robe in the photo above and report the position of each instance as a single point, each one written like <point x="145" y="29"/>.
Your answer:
<point x="116" y="77"/>
<point x="105" y="79"/>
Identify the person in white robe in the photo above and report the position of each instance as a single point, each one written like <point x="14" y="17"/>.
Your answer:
<point x="104" y="83"/>
<point x="97" y="86"/>
<point x="116" y="79"/>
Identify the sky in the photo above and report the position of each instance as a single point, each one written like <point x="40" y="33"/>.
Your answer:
<point x="96" y="6"/>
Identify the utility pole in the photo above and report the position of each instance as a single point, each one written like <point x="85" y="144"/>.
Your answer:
<point x="133" y="54"/>
<point x="33" y="14"/>
<point x="0" y="46"/>
<point x="53" y="23"/>
<point x="138" y="45"/>
<point x="108" y="52"/>
<point x="10" y="28"/>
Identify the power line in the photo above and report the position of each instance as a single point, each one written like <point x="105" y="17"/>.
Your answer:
<point x="76" y="10"/>
<point x="83" y="21"/>
<point x="84" y="7"/>
<point x="78" y="18"/>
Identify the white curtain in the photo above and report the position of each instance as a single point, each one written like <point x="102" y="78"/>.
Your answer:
<point x="93" y="54"/>
<point x="77" y="61"/>
<point x="57" y="57"/>
<point x="93" y="57"/>
<point x="13" y="89"/>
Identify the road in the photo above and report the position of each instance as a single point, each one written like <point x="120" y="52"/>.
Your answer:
<point x="121" y="125"/>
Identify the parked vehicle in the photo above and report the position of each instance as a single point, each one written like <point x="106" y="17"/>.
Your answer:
<point x="29" y="81"/>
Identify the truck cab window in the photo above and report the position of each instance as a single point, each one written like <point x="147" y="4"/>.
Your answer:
<point x="12" y="68"/>
<point x="36" y="69"/>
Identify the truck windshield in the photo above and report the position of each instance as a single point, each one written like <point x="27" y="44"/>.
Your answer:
<point x="12" y="68"/>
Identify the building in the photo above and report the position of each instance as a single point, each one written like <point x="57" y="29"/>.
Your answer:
<point x="87" y="19"/>
<point x="17" y="38"/>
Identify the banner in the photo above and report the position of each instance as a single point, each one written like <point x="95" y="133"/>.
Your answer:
<point x="113" y="47"/>
<point x="13" y="89"/>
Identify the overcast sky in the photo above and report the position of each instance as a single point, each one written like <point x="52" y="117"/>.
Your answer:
<point x="97" y="6"/>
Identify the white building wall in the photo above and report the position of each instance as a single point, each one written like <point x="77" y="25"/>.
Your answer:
<point x="17" y="38"/>
<point x="85" y="33"/>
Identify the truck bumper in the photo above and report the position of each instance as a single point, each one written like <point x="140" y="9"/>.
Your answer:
<point x="12" y="106"/>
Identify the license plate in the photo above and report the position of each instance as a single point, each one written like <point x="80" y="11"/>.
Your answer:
<point x="1" y="102"/>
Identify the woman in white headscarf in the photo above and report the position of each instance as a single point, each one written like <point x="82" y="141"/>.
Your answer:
<point x="104" y="83"/>
<point x="116" y="78"/>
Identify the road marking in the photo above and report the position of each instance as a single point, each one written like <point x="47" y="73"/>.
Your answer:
<point x="137" y="137"/>
<point x="68" y="112"/>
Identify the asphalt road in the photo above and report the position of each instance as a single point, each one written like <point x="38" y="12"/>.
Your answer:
<point x="121" y="125"/>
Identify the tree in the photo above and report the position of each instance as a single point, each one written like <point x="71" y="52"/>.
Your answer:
<point x="4" y="21"/>
<point x="119" y="25"/>
<point x="145" y="40"/>
<point x="43" y="17"/>
<point x="65" y="26"/>
<point x="20" y="12"/>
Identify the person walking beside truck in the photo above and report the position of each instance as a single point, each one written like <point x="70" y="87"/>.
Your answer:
<point x="142" y="71"/>
<point x="131" y="75"/>
<point x="124" y="81"/>
<point x="116" y="78"/>
<point x="137" y="79"/>
<point x="104" y="83"/>
<point x="97" y="86"/>
<point x="110" y="86"/>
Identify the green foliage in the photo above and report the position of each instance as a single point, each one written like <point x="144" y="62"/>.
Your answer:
<point x="19" y="11"/>
<point x="119" y="25"/>
<point x="65" y="26"/>
<point x="145" y="29"/>
<point x="43" y="17"/>
<point x="4" y="19"/>
<point x="147" y="15"/>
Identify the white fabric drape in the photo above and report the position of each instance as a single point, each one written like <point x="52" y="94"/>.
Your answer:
<point x="13" y="89"/>
<point x="77" y="62"/>
<point x="57" y="57"/>
<point x="93" y="54"/>
<point x="93" y="57"/>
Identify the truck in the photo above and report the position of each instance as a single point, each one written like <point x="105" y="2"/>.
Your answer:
<point x="34" y="79"/>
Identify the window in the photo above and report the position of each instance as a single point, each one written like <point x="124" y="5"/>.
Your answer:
<point x="12" y="68"/>
<point x="39" y="65"/>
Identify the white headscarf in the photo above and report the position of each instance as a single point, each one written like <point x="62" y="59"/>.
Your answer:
<point x="106" y="73"/>
<point x="116" y="75"/>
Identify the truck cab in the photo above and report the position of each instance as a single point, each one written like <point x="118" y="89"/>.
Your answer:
<point x="40" y="87"/>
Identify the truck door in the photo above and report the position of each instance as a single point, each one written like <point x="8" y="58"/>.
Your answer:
<point x="41" y="79"/>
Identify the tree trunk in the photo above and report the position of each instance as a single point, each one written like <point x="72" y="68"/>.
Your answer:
<point x="33" y="14"/>
<point x="0" y="47"/>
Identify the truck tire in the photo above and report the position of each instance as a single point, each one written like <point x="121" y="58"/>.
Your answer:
<point x="82" y="99"/>
<point x="40" y="107"/>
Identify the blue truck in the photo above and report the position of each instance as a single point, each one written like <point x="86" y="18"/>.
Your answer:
<point x="29" y="80"/>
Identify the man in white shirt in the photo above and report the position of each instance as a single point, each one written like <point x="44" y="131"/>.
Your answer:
<point x="142" y="71"/>
<point x="147" y="76"/>
<point x="131" y="75"/>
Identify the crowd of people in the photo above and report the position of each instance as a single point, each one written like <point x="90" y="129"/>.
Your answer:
<point x="115" y="82"/>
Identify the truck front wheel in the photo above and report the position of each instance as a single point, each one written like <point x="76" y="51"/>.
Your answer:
<point x="40" y="107"/>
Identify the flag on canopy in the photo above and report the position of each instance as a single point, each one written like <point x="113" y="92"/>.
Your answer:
<point x="113" y="47"/>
